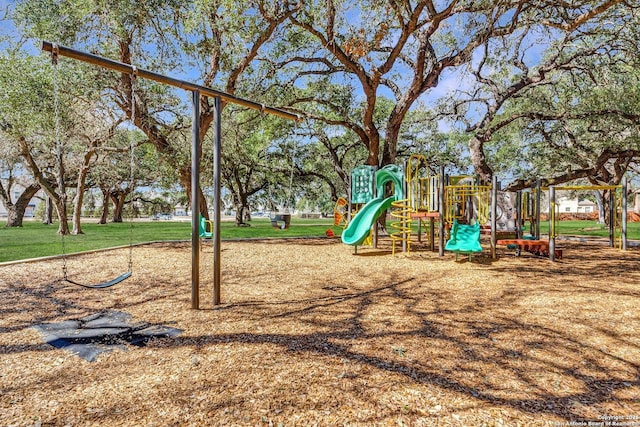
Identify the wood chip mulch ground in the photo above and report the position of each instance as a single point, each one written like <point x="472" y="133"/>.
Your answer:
<point x="310" y="334"/>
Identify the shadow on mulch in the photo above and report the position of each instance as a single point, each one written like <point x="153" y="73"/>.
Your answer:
<point x="102" y="332"/>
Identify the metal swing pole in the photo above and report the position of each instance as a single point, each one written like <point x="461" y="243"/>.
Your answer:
<point x="217" y="151"/>
<point x="441" y="211"/>
<point x="195" y="200"/>
<point x="552" y="223"/>
<point x="536" y="231"/>
<point x="612" y="217"/>
<point x="623" y="235"/>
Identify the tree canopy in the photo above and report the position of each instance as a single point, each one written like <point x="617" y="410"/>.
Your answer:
<point x="529" y="89"/>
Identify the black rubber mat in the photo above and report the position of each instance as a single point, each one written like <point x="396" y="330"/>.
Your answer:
<point x="102" y="332"/>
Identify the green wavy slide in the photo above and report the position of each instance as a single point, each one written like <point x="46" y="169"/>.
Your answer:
<point x="360" y="225"/>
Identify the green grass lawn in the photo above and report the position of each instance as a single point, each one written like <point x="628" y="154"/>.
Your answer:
<point x="36" y="240"/>
<point x="589" y="228"/>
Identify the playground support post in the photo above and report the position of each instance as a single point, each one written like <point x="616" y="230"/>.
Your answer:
<point x="624" y="213"/>
<point x="494" y="212"/>
<point x="405" y="187"/>
<point x="195" y="200"/>
<point x="349" y="199"/>
<point x="441" y="212"/>
<point x="612" y="218"/>
<point x="374" y="232"/>
<point x="552" y="217"/>
<point x="537" y="209"/>
<point x="519" y="214"/>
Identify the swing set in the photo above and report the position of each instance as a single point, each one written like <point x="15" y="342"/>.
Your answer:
<point x="197" y="92"/>
<point x="281" y="217"/>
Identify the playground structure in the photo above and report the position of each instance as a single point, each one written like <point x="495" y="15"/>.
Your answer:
<point x="60" y="155"/>
<point x="464" y="238"/>
<point x="417" y="194"/>
<point x="463" y="207"/>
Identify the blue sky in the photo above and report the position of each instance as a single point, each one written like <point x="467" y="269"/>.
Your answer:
<point x="6" y="26"/>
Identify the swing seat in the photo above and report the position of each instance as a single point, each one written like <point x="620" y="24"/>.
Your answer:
<point x="206" y="228"/>
<point x="103" y="285"/>
<point x="280" y="221"/>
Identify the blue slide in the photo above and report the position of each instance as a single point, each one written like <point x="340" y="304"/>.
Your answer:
<point x="360" y="225"/>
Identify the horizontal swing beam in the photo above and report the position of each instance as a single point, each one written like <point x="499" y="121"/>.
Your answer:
<point x="171" y="81"/>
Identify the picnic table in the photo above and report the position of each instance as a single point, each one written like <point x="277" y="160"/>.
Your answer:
<point x="536" y="247"/>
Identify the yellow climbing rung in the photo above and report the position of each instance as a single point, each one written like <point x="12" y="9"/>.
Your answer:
<point x="401" y="212"/>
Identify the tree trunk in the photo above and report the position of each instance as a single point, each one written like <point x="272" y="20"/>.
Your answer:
<point x="374" y="153"/>
<point x="601" y="207"/>
<point x="204" y="207"/>
<point x="15" y="211"/>
<point x="80" y="186"/>
<point x="48" y="211"/>
<point x="391" y="137"/>
<point x="77" y="211"/>
<point x="242" y="208"/>
<point x="118" y="197"/>
<point x="61" y="209"/>
<point x="185" y="180"/>
<point x="13" y="219"/>
<point x="58" y="195"/>
<point x="239" y="215"/>
<point x="104" y="216"/>
<point x="478" y="159"/>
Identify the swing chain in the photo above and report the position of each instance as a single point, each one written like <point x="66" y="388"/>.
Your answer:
<point x="132" y="162"/>
<point x="293" y="164"/>
<point x="59" y="154"/>
<point x="60" y="158"/>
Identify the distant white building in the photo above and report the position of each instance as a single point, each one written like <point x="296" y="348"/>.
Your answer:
<point x="587" y="206"/>
<point x="30" y="211"/>
<point x="567" y="205"/>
